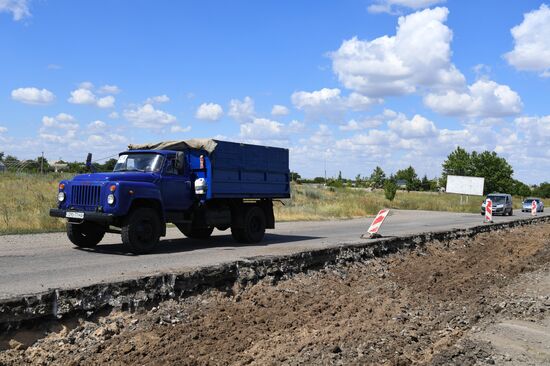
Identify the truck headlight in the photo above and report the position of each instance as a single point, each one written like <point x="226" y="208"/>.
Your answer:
<point x="200" y="186"/>
<point x="111" y="199"/>
<point x="61" y="196"/>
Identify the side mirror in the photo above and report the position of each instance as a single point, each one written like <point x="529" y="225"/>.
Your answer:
<point x="89" y="160"/>
<point x="180" y="162"/>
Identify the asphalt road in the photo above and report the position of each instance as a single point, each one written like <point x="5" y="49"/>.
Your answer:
<point x="30" y="264"/>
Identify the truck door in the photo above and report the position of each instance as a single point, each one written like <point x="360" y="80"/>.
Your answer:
<point x="176" y="187"/>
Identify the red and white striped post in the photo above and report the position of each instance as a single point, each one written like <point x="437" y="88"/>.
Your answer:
<point x="534" y="208"/>
<point x="488" y="210"/>
<point x="372" y="232"/>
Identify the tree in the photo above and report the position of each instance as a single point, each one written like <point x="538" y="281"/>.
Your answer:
<point x="425" y="184"/>
<point x="496" y="171"/>
<point x="109" y="165"/>
<point x="42" y="164"/>
<point x="11" y="162"/>
<point x="458" y="163"/>
<point x="520" y="189"/>
<point x="1" y="155"/>
<point x="390" y="189"/>
<point x="340" y="176"/>
<point x="377" y="178"/>
<point x="409" y="175"/>
<point x="543" y="190"/>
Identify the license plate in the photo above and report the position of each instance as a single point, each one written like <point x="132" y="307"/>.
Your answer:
<point x="74" y="215"/>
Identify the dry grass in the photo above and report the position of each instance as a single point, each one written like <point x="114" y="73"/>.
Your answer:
<point x="25" y="201"/>
<point x="318" y="203"/>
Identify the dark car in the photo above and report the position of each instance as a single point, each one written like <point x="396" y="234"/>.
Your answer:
<point x="502" y="204"/>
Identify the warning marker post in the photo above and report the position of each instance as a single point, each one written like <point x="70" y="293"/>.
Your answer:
<point x="488" y="211"/>
<point x="534" y="208"/>
<point x="372" y="232"/>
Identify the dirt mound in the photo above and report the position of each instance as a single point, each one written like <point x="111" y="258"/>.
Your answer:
<point x="408" y="308"/>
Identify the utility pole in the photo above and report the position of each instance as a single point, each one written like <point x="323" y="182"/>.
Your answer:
<point x="42" y="164"/>
<point x="325" y="170"/>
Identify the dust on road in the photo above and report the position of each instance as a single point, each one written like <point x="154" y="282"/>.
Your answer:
<point x="416" y="307"/>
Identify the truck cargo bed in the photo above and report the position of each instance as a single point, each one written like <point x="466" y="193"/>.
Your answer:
<point x="242" y="170"/>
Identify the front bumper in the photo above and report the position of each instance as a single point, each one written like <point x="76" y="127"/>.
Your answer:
<point x="496" y="211"/>
<point x="88" y="216"/>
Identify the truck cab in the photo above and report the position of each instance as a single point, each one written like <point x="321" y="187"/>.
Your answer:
<point x="195" y="189"/>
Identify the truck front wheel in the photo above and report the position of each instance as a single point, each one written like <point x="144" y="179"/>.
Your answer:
<point x="141" y="230"/>
<point x="85" y="235"/>
<point x="254" y="226"/>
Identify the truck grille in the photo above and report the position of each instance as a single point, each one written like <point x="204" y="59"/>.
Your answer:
<point x="85" y="195"/>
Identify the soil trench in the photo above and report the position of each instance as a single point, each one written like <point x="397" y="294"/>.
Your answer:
<point x="415" y="307"/>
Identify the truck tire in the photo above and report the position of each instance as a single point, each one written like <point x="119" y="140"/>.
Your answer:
<point x="195" y="232"/>
<point x="254" y="226"/>
<point x="141" y="230"/>
<point x="85" y="235"/>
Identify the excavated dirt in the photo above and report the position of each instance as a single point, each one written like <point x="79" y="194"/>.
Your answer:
<point x="414" y="307"/>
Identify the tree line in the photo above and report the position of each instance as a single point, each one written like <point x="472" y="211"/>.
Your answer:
<point x="42" y="165"/>
<point x="498" y="174"/>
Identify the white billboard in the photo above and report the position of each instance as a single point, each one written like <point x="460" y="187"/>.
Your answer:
<point x="465" y="185"/>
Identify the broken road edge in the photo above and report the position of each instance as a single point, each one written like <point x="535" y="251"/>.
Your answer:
<point x="56" y="304"/>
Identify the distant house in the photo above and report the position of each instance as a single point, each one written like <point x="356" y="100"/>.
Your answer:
<point x="58" y="166"/>
<point x="401" y="183"/>
<point x="2" y="167"/>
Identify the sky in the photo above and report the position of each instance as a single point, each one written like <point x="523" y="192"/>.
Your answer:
<point x="345" y="85"/>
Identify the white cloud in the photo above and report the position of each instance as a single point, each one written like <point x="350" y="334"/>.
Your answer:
<point x="147" y="116"/>
<point x="58" y="129"/>
<point x="113" y="115"/>
<point x="98" y="140"/>
<point x="279" y="110"/>
<point x="97" y="125"/>
<point x="322" y="136"/>
<point x="82" y="96"/>
<point x="109" y="89"/>
<point x="532" y="42"/>
<point x="368" y="122"/>
<point x="263" y="128"/>
<point x="242" y="111"/>
<point x="417" y="127"/>
<point x="158" y="99"/>
<point x="18" y="8"/>
<point x="32" y="95"/>
<point x="180" y="129"/>
<point x="296" y="126"/>
<point x="86" y="85"/>
<point x="3" y="129"/>
<point x="388" y="6"/>
<point x="329" y="103"/>
<point x="209" y="112"/>
<point x="419" y="55"/>
<point x="106" y="102"/>
<point x="484" y="98"/>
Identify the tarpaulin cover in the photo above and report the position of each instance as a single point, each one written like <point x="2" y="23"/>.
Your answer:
<point x="207" y="145"/>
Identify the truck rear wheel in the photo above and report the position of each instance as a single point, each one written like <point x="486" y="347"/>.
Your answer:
<point x="141" y="231"/>
<point x="254" y="226"/>
<point x="194" y="232"/>
<point x="85" y="235"/>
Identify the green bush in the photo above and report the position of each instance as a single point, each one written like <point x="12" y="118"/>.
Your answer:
<point x="390" y="189"/>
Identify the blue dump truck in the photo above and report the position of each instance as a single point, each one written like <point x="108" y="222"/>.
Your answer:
<point x="198" y="185"/>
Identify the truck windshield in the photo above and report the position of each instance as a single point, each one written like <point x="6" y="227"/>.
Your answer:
<point x="139" y="162"/>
